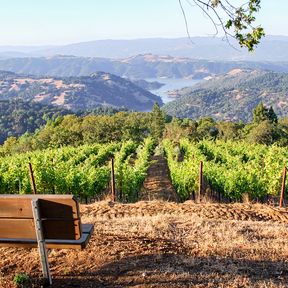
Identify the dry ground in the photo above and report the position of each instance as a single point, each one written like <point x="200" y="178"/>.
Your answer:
<point x="157" y="184"/>
<point x="164" y="244"/>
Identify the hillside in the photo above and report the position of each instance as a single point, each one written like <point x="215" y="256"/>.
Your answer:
<point x="77" y="93"/>
<point x="142" y="66"/>
<point x="271" y="48"/>
<point x="232" y="96"/>
<point x="161" y="244"/>
<point x="18" y="117"/>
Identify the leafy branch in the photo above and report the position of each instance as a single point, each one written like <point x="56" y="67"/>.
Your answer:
<point x="237" y="22"/>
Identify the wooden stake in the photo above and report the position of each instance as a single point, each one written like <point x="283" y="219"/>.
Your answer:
<point x="113" y="192"/>
<point x="283" y="187"/>
<point x="32" y="179"/>
<point x="200" y="180"/>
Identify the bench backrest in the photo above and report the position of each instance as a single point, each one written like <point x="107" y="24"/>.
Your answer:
<point x="59" y="214"/>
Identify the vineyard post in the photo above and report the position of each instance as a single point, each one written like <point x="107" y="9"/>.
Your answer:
<point x="200" y="181"/>
<point x="32" y="179"/>
<point x="283" y="187"/>
<point x="113" y="191"/>
<point x="53" y="186"/>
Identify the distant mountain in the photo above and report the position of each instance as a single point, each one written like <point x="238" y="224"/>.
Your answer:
<point x="232" y="96"/>
<point x="143" y="66"/>
<point x="77" y="93"/>
<point x="271" y="48"/>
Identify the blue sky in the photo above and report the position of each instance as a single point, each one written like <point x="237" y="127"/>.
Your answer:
<point x="54" y="22"/>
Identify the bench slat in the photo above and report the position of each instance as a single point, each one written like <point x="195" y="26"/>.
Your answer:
<point x="52" y="206"/>
<point x="52" y="228"/>
<point x="87" y="230"/>
<point x="17" y="228"/>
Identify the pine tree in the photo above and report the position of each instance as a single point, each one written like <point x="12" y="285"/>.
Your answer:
<point x="272" y="115"/>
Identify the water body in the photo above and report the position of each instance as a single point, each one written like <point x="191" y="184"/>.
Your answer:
<point x="170" y="84"/>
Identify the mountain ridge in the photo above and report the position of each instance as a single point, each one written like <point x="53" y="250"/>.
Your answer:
<point x="142" y="66"/>
<point x="271" y="48"/>
<point x="77" y="93"/>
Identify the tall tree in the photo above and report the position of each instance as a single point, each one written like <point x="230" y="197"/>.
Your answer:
<point x="157" y="124"/>
<point x="262" y="113"/>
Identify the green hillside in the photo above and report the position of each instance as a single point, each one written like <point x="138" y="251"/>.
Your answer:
<point x="232" y="96"/>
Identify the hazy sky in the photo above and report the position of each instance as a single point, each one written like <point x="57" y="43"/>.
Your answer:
<point x="53" y="22"/>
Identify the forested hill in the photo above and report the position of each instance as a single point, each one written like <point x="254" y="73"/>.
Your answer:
<point x="77" y="93"/>
<point x="18" y="117"/>
<point x="232" y="96"/>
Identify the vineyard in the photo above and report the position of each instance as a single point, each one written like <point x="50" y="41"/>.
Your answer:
<point x="83" y="171"/>
<point x="159" y="243"/>
<point x="233" y="170"/>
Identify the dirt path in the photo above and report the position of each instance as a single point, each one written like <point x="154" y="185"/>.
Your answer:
<point x="157" y="185"/>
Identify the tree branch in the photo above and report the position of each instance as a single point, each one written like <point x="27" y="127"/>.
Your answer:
<point x="239" y="19"/>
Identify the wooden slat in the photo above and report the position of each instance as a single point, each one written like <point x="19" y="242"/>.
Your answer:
<point x="53" y="229"/>
<point x="19" y="206"/>
<point x="59" y="208"/>
<point x="87" y="230"/>
<point x="61" y="229"/>
<point x="60" y="218"/>
<point x="17" y="228"/>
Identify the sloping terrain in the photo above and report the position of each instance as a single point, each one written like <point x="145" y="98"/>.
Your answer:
<point x="77" y="93"/>
<point x="232" y="96"/>
<point x="164" y="244"/>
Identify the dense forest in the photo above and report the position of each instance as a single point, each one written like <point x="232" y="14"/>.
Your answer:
<point x="19" y="117"/>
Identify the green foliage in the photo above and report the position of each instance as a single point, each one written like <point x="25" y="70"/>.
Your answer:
<point x="83" y="171"/>
<point x="157" y="124"/>
<point x="241" y="20"/>
<point x="262" y="113"/>
<point x="231" y="168"/>
<point x="75" y="130"/>
<point x="265" y="133"/>
<point x="18" y="117"/>
<point x="131" y="170"/>
<point x="22" y="280"/>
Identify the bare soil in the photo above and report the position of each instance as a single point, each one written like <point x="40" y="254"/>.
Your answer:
<point x="157" y="184"/>
<point x="165" y="244"/>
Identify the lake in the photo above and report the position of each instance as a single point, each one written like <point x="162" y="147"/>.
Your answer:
<point x="170" y="84"/>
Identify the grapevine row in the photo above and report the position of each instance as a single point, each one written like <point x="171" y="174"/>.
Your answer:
<point x="83" y="171"/>
<point x="230" y="168"/>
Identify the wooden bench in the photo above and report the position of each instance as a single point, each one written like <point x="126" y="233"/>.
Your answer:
<point x="43" y="221"/>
